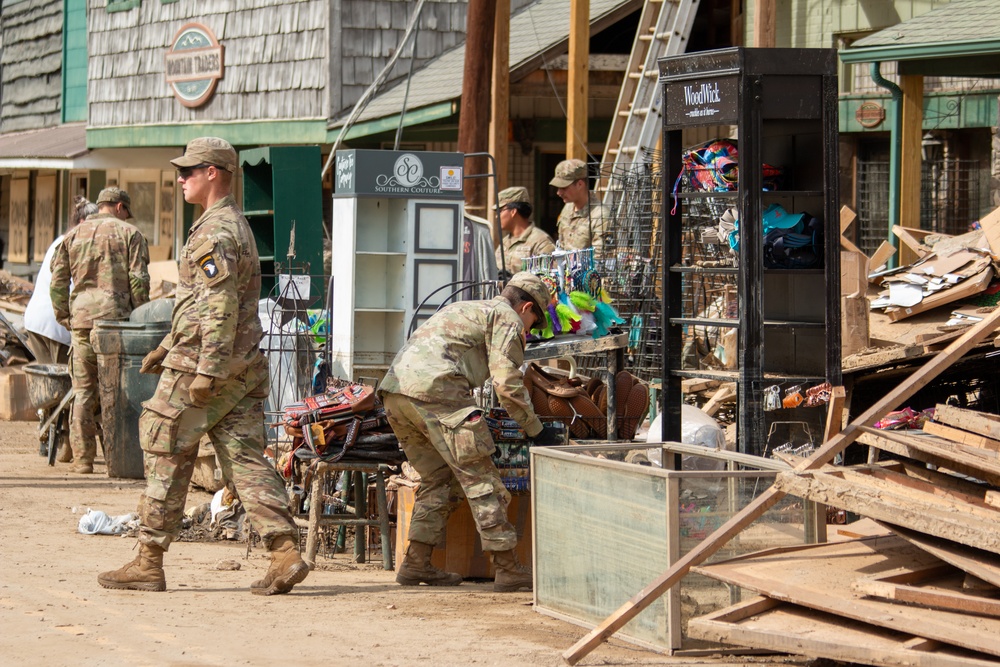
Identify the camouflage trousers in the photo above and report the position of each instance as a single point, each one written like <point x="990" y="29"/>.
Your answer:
<point x="451" y="449"/>
<point x="86" y="396"/>
<point x="170" y="429"/>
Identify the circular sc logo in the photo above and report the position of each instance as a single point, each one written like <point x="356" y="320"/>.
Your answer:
<point x="408" y="170"/>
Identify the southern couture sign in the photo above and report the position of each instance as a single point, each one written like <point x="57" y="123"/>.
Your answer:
<point x="870" y="114"/>
<point x="399" y="174"/>
<point x="194" y="64"/>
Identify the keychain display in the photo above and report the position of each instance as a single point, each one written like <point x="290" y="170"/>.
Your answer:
<point x="772" y="398"/>
<point x="579" y="305"/>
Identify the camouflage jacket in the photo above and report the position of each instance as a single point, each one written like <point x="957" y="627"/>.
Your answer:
<point x="532" y="242"/>
<point x="459" y="349"/>
<point x="215" y="329"/>
<point x="586" y="227"/>
<point x="106" y="259"/>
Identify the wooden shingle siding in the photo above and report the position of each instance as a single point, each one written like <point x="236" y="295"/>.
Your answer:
<point x="370" y="33"/>
<point x="276" y="61"/>
<point x="30" y="65"/>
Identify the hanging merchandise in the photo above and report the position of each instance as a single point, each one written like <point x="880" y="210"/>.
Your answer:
<point x="714" y="167"/>
<point x="772" y="398"/>
<point x="580" y="304"/>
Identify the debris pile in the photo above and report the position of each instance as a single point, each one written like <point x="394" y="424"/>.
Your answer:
<point x="922" y="590"/>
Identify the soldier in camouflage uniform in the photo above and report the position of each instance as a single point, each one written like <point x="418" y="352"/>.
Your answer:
<point x="214" y="380"/>
<point x="427" y="395"/>
<point x="584" y="220"/>
<point x="106" y="259"/>
<point x="521" y="238"/>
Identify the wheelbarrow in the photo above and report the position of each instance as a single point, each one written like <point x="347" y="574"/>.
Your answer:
<point x="50" y="390"/>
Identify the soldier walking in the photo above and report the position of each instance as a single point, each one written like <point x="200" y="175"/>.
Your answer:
<point x="214" y="380"/>
<point x="106" y="259"/>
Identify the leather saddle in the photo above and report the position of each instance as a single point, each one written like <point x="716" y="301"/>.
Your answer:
<point x="583" y="406"/>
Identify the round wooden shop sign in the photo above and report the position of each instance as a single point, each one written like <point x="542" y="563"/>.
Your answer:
<point x="870" y="114"/>
<point x="194" y="64"/>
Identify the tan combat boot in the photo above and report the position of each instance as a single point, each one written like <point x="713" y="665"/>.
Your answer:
<point x="145" y="573"/>
<point x="416" y="568"/>
<point x="287" y="568"/>
<point x="510" y="576"/>
<point x="83" y="466"/>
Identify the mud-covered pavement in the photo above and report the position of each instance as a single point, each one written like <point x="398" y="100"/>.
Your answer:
<point x="53" y="612"/>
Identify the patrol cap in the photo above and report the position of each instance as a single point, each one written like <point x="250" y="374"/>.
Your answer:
<point x="208" y="150"/>
<point x="535" y="288"/>
<point x="568" y="172"/>
<point x="515" y="195"/>
<point x="115" y="195"/>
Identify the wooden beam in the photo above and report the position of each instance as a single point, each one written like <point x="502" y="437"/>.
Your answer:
<point x="910" y="157"/>
<point x="982" y="423"/>
<point x="725" y="393"/>
<point x="771" y="496"/>
<point x="577" y="94"/>
<point x="764" y="33"/>
<point x="500" y="117"/>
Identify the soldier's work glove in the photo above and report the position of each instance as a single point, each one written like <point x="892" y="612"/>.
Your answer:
<point x="201" y="390"/>
<point x="549" y="436"/>
<point x="151" y="363"/>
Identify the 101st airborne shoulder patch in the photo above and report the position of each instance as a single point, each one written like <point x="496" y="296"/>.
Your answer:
<point x="212" y="263"/>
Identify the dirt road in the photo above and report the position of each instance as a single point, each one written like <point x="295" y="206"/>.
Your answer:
<point x="53" y="612"/>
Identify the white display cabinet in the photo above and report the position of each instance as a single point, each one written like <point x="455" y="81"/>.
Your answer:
<point x="397" y="236"/>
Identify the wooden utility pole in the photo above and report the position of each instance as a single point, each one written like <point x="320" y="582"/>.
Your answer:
<point x="500" y="118"/>
<point x="577" y="90"/>
<point x="763" y="24"/>
<point x="473" y="122"/>
<point x="911" y="147"/>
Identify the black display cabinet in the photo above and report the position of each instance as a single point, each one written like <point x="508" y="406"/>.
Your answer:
<point x="783" y="103"/>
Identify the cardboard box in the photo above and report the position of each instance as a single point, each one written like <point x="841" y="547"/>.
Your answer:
<point x="463" y="551"/>
<point x="14" y="402"/>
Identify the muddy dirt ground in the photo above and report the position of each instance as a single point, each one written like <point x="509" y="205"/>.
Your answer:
<point x="53" y="612"/>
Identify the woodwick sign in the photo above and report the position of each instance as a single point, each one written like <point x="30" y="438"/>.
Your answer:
<point x="194" y="64"/>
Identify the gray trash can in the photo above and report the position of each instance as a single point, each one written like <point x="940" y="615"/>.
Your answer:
<point x="120" y="347"/>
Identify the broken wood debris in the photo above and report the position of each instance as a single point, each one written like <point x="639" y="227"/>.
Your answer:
<point x="756" y="508"/>
<point x="933" y="582"/>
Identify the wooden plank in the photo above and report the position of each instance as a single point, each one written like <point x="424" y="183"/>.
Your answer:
<point x="885" y="501"/>
<point x="960" y="436"/>
<point x="881" y="255"/>
<point x="847" y="217"/>
<point x="821" y="577"/>
<point x="923" y="596"/>
<point x="846" y="244"/>
<point x="983" y="423"/>
<point x="936" y="451"/>
<point x="692" y="385"/>
<point x="757" y="507"/>
<point x="908" y="236"/>
<point x="779" y="626"/>
<point x="725" y="394"/>
<point x="976" y="562"/>
<point x="968" y="287"/>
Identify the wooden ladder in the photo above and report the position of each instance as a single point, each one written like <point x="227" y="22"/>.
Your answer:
<point x="664" y="29"/>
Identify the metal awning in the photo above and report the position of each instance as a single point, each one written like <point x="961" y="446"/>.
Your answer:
<point x="48" y="148"/>
<point x="958" y="39"/>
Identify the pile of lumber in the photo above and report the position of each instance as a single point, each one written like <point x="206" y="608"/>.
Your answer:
<point x="924" y="591"/>
<point x="853" y="600"/>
